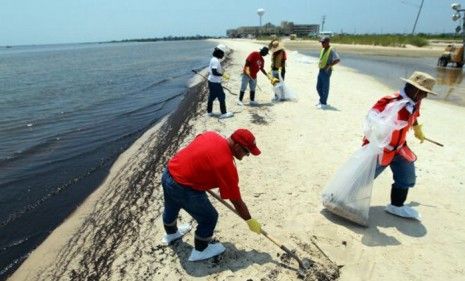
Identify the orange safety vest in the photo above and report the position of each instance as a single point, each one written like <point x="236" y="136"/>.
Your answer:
<point x="398" y="144"/>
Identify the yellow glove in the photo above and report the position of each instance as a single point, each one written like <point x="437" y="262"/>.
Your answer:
<point x="247" y="71"/>
<point x="225" y="76"/>
<point x="254" y="225"/>
<point x="270" y="77"/>
<point x="274" y="81"/>
<point x="419" y="133"/>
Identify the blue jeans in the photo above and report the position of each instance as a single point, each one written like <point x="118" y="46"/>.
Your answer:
<point x="194" y="202"/>
<point x="322" y="85"/>
<point x="247" y="80"/>
<point x="403" y="172"/>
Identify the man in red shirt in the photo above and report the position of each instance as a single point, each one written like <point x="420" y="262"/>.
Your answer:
<point x="206" y="163"/>
<point x="397" y="154"/>
<point x="253" y="64"/>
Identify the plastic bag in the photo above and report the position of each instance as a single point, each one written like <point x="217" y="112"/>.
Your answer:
<point x="282" y="91"/>
<point x="348" y="194"/>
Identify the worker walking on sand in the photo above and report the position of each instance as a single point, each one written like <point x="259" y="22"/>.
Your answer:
<point x="215" y="77"/>
<point x="253" y="64"/>
<point x="206" y="163"/>
<point x="328" y="58"/>
<point x="397" y="154"/>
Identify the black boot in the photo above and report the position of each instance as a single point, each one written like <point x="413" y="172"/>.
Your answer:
<point x="171" y="229"/>
<point x="398" y="196"/>
<point x="252" y="95"/>
<point x="200" y="245"/>
<point x="241" y="96"/>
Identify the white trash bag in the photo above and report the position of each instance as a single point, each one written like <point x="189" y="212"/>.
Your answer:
<point x="282" y="91"/>
<point x="348" y="194"/>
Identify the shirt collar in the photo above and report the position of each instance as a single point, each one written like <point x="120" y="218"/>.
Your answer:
<point x="410" y="103"/>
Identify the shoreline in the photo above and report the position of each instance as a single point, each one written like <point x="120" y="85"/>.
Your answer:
<point x="302" y="147"/>
<point x="408" y="51"/>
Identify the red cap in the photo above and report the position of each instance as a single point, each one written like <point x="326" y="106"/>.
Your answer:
<point x="245" y="138"/>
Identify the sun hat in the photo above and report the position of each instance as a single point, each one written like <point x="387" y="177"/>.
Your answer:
<point x="222" y="48"/>
<point x="276" y="45"/>
<point x="245" y="138"/>
<point x="422" y="81"/>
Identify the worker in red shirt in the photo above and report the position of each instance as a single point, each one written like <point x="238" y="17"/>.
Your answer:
<point x="396" y="153"/>
<point x="253" y="64"/>
<point x="206" y="163"/>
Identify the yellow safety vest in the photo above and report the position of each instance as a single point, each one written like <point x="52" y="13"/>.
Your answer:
<point x="324" y="56"/>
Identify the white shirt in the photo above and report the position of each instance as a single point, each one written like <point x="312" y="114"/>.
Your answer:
<point x="215" y="63"/>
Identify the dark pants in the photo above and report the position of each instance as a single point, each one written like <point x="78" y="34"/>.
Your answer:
<point x="216" y="92"/>
<point x="403" y="172"/>
<point x="322" y="85"/>
<point x="194" y="202"/>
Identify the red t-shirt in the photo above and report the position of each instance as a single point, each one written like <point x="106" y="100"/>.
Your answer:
<point x="255" y="62"/>
<point x="207" y="162"/>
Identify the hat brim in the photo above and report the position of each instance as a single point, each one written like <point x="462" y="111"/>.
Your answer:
<point x="277" y="48"/>
<point x="419" y="86"/>
<point x="254" y="150"/>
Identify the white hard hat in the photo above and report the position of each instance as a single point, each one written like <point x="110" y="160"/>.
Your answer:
<point x="222" y="47"/>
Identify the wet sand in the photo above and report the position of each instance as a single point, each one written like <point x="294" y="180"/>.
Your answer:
<point x="115" y="234"/>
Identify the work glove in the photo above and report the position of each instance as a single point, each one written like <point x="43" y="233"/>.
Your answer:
<point x="254" y="225"/>
<point x="274" y="81"/>
<point x="226" y="76"/>
<point x="417" y="129"/>
<point x="247" y="71"/>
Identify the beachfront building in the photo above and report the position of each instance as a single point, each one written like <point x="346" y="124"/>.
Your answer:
<point x="285" y="29"/>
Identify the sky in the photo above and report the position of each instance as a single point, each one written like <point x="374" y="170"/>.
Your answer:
<point x="25" y="22"/>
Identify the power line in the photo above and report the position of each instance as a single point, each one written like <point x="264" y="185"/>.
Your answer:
<point x="418" y="15"/>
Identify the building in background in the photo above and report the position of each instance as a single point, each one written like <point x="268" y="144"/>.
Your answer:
<point x="285" y="29"/>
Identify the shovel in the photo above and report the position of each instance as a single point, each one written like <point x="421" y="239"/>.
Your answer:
<point x="303" y="264"/>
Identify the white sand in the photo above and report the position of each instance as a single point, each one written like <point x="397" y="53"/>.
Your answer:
<point x="302" y="147"/>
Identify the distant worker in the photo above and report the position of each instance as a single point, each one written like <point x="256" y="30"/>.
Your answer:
<point x="397" y="154"/>
<point x="215" y="76"/>
<point x="206" y="163"/>
<point x="253" y="64"/>
<point x="278" y="59"/>
<point x="328" y="58"/>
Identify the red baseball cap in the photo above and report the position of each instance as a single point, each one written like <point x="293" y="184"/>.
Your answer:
<point x="245" y="138"/>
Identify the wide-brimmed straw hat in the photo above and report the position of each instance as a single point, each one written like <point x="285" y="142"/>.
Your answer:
<point x="422" y="81"/>
<point x="276" y="45"/>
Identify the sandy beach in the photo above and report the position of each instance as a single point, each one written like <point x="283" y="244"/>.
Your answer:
<point x="116" y="233"/>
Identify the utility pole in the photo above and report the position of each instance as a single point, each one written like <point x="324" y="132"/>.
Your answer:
<point x="323" y="24"/>
<point x="418" y="15"/>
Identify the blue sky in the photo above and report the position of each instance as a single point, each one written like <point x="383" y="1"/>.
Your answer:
<point x="68" y="21"/>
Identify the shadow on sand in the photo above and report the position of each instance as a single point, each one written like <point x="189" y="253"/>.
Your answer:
<point x="232" y="259"/>
<point x="373" y="235"/>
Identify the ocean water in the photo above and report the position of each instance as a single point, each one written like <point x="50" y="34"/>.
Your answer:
<point x="388" y="69"/>
<point x="66" y="113"/>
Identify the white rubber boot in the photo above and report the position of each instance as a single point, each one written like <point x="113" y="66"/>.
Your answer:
<point x="182" y="229"/>
<point x="404" y="211"/>
<point x="209" y="252"/>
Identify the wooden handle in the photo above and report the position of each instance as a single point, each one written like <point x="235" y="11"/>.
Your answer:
<point x="263" y="232"/>
<point x="435" y="142"/>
